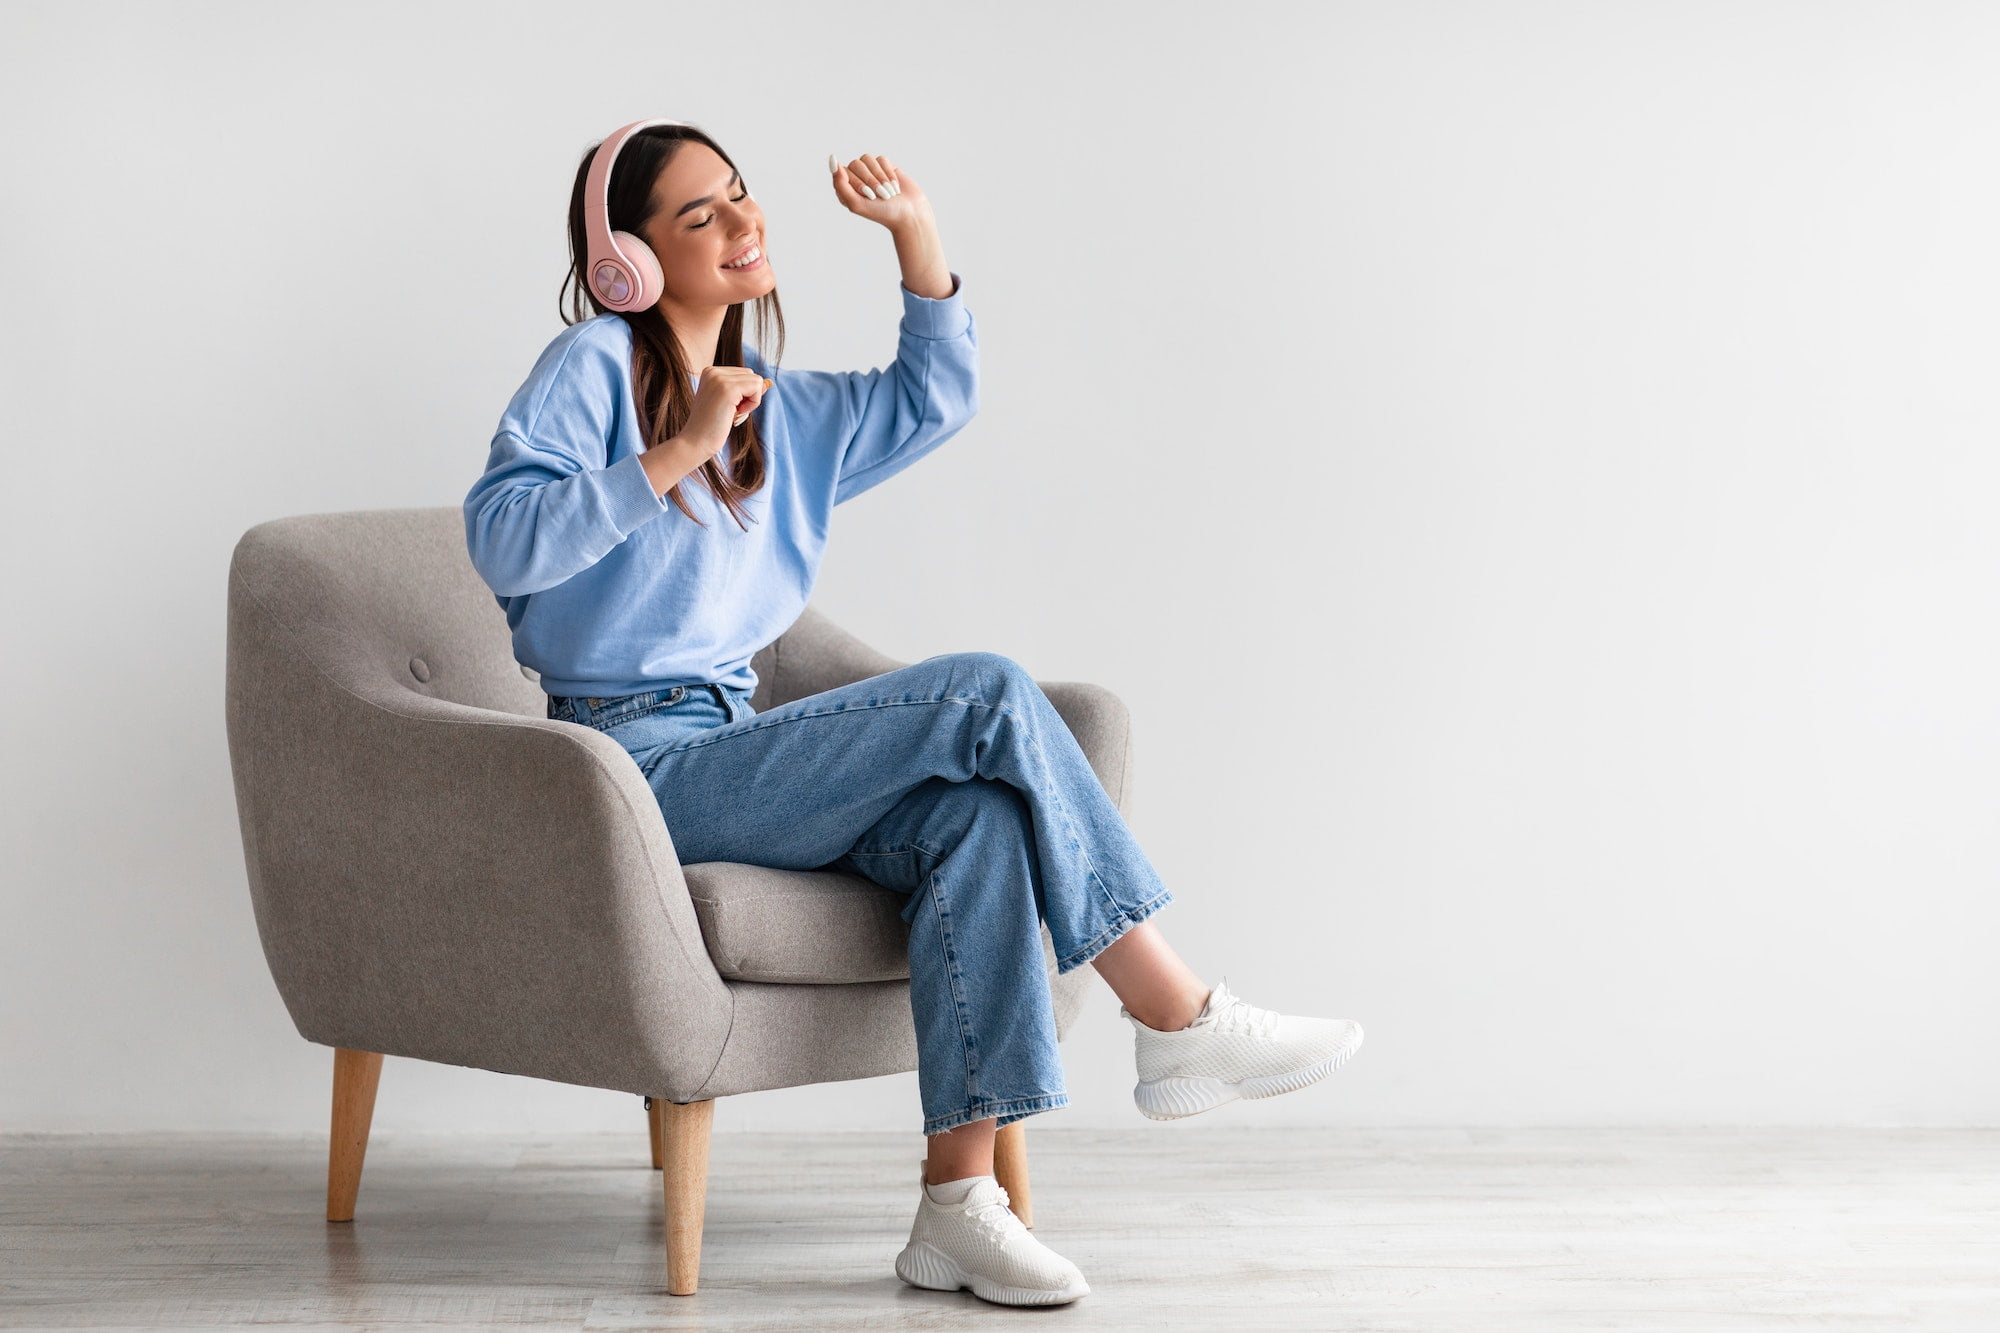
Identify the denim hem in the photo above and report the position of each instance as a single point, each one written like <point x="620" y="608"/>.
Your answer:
<point x="1001" y="1122"/>
<point x="1112" y="932"/>
<point x="1001" y="1112"/>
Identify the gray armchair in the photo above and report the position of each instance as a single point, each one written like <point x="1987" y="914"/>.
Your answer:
<point x="440" y="871"/>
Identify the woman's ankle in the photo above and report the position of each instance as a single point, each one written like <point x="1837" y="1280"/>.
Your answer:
<point x="1189" y="1008"/>
<point x="1151" y="980"/>
<point x="966" y="1150"/>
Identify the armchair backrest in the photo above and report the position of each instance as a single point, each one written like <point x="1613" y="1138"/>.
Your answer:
<point x="379" y="602"/>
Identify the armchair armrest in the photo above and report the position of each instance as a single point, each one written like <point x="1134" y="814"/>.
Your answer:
<point x="463" y="885"/>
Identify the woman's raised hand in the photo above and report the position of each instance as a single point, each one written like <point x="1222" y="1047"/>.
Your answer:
<point x="875" y="188"/>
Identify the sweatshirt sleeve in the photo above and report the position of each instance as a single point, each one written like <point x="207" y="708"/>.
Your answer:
<point x="881" y="421"/>
<point x="547" y="507"/>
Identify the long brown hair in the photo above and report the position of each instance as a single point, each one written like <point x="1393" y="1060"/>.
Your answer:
<point x="659" y="373"/>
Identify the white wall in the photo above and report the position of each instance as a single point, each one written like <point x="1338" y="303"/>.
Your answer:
<point x="1528" y="468"/>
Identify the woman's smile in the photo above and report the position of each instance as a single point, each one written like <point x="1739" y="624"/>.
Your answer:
<point x="756" y="249"/>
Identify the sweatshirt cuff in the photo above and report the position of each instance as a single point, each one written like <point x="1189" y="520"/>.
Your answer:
<point x="945" y="317"/>
<point x="630" y="492"/>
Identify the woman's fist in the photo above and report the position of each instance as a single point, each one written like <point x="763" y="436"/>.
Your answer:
<point x="874" y="188"/>
<point x="723" y="397"/>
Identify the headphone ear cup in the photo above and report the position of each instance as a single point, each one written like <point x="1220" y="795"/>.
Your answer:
<point x="645" y="266"/>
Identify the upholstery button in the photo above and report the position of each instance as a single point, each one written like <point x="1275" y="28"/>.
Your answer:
<point x="420" y="668"/>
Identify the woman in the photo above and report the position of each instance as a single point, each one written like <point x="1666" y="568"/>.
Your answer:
<point x="641" y="598"/>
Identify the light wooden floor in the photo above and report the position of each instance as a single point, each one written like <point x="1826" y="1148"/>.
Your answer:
<point x="1176" y="1226"/>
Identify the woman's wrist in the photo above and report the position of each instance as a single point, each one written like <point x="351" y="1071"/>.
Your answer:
<point x="921" y="255"/>
<point x="667" y="462"/>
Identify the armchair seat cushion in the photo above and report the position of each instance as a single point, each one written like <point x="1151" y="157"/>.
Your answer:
<point x="809" y="927"/>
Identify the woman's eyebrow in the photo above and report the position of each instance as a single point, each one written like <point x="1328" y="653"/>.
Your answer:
<point x="707" y="198"/>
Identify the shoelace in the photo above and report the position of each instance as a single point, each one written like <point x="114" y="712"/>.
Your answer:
<point x="995" y="1217"/>
<point x="1237" y="1015"/>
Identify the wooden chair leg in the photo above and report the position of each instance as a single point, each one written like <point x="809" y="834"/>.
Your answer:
<point x="653" y="1105"/>
<point x="684" y="1132"/>
<point x="355" y="1077"/>
<point x="1010" y="1165"/>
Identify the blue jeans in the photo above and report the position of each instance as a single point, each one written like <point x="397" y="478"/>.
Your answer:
<point x="953" y="781"/>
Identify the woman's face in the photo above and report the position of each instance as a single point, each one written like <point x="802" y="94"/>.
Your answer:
<point x="703" y="218"/>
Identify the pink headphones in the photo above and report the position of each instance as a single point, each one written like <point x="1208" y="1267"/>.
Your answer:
<point x="624" y="273"/>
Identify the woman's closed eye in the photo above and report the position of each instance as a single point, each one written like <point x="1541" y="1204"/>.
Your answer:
<point x="711" y="217"/>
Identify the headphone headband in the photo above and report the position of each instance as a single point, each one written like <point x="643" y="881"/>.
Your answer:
<point x="622" y="270"/>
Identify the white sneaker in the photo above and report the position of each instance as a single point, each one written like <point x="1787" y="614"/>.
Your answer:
<point x="1231" y="1050"/>
<point x="979" y="1243"/>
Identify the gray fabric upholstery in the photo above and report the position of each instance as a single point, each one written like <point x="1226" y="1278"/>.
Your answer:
<point x="798" y="926"/>
<point x="440" y="871"/>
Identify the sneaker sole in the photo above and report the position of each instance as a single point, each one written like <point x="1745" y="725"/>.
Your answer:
<point x="1177" y="1096"/>
<point x="922" y="1264"/>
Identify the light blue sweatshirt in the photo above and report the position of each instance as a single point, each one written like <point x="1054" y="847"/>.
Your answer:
<point x="609" y="589"/>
